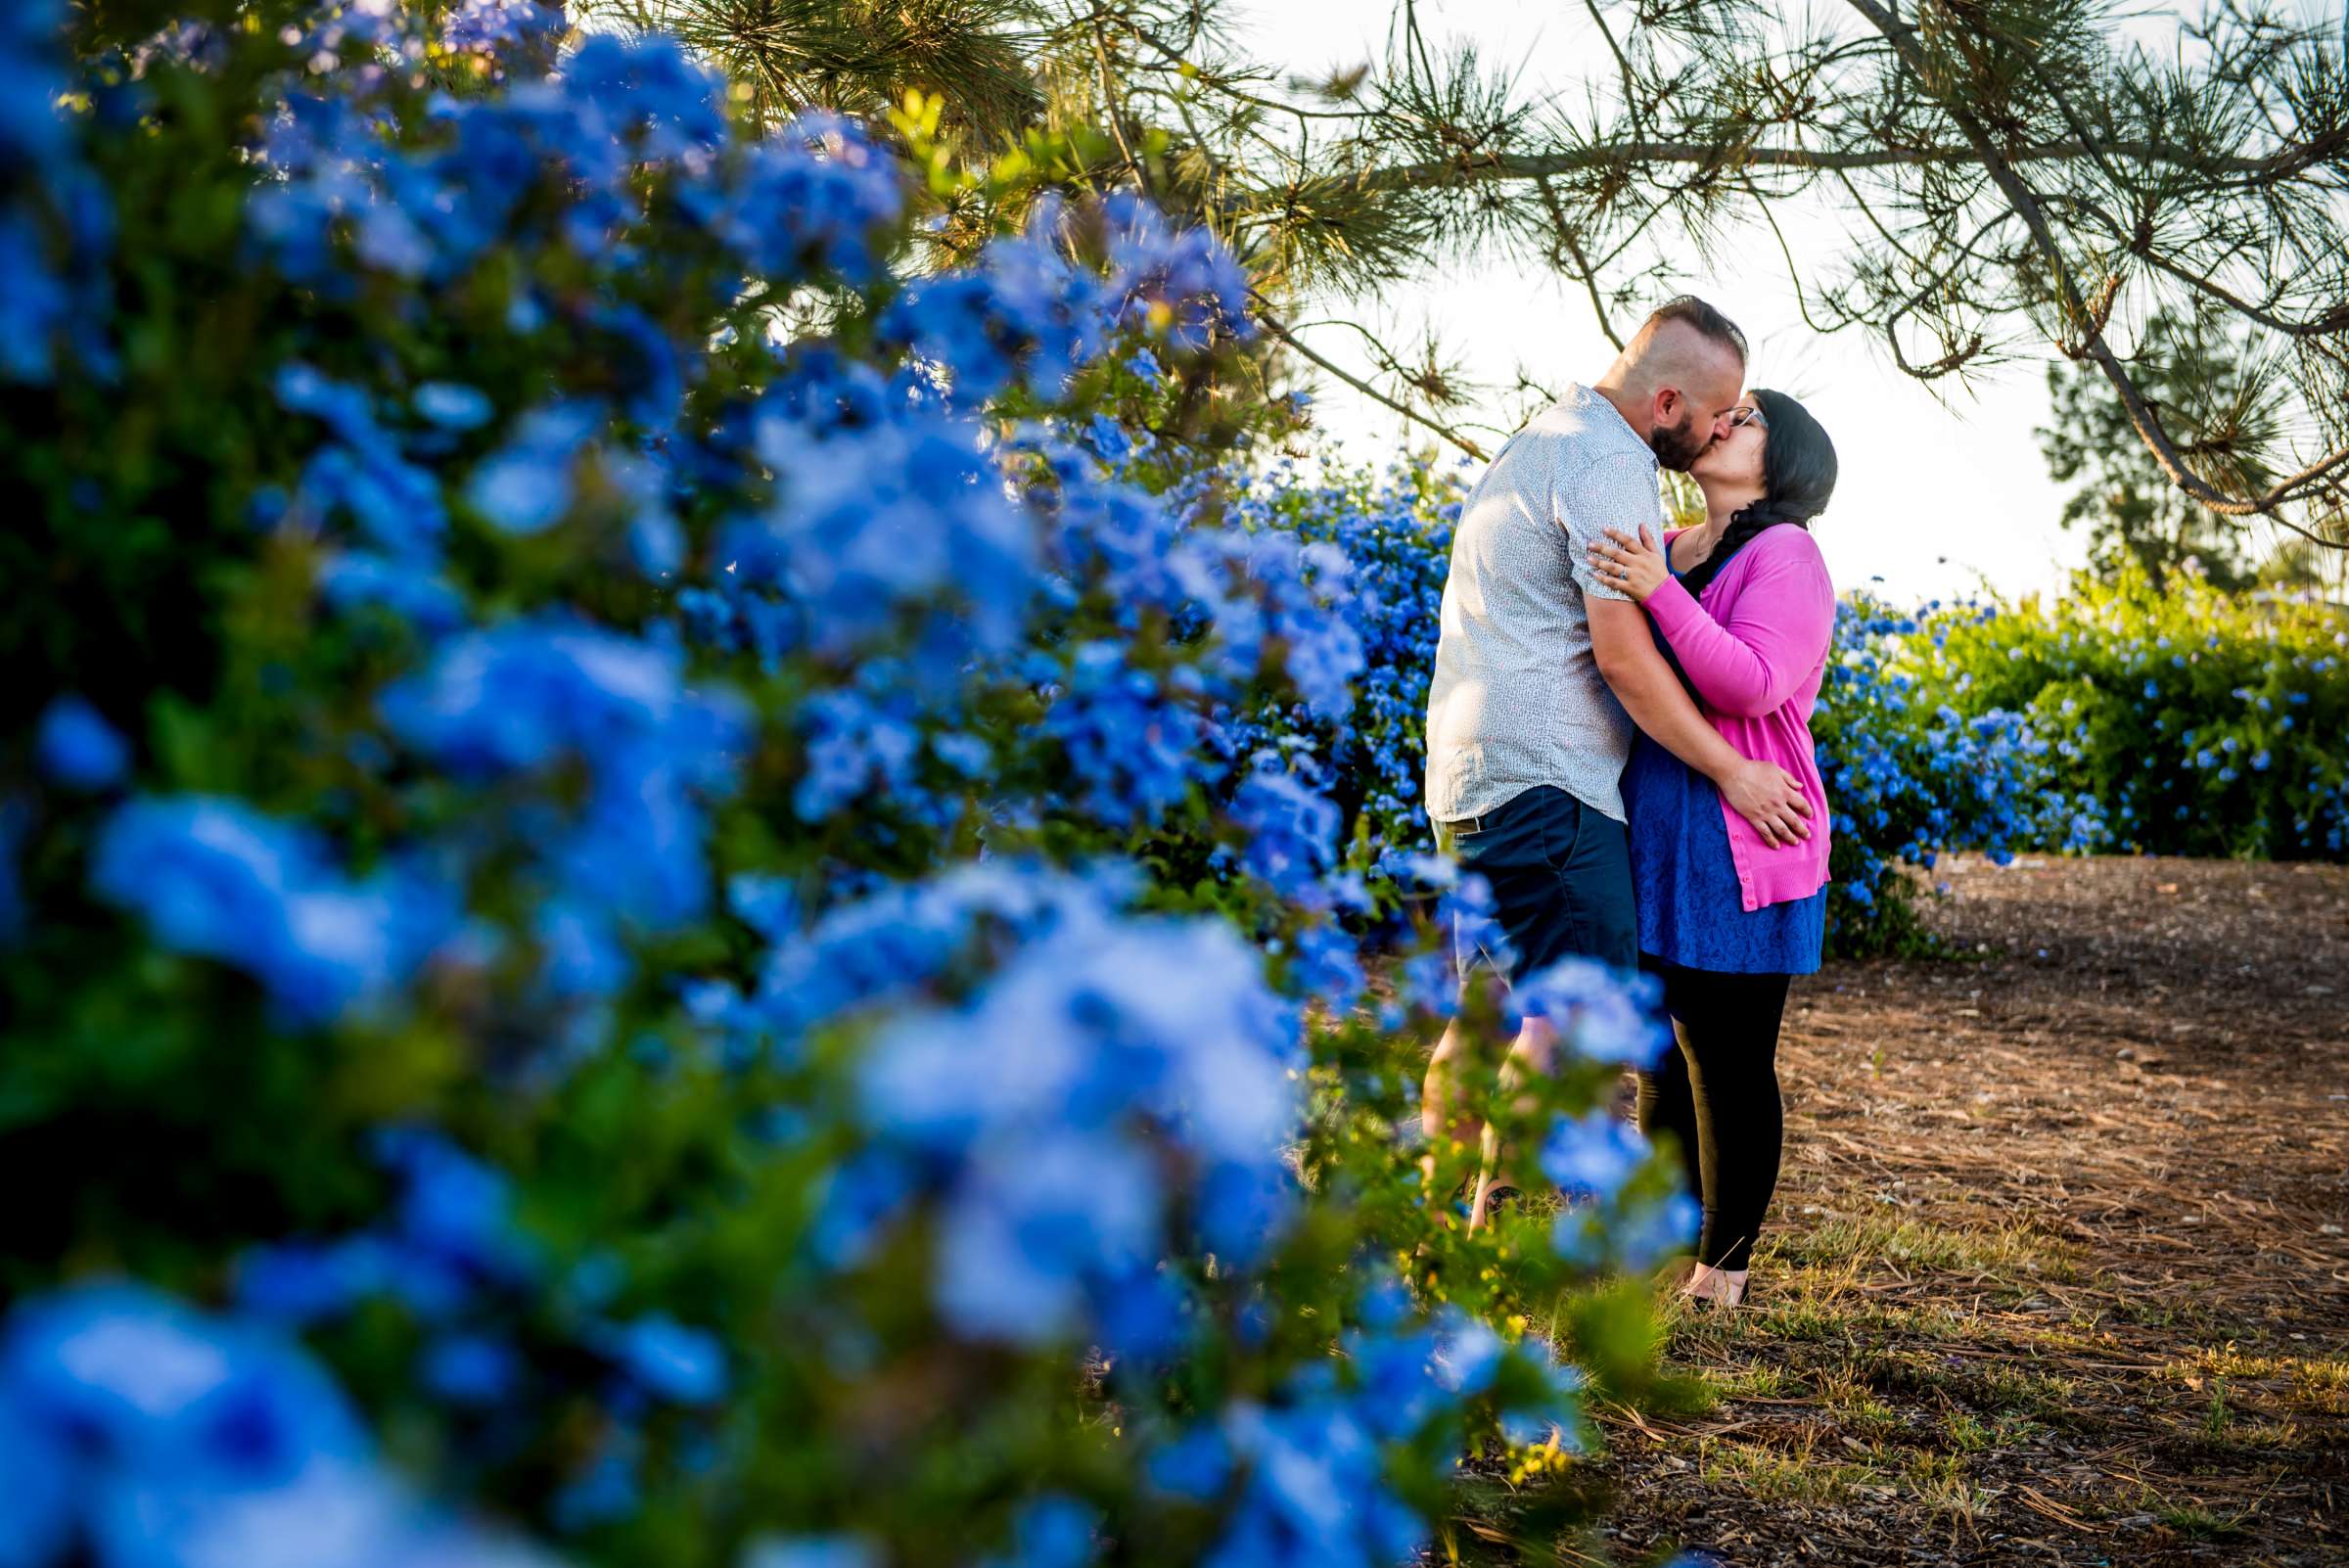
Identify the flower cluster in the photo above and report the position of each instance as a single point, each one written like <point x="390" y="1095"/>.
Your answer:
<point x="210" y="875"/>
<point x="1394" y="536"/>
<point x="140" y="1430"/>
<point x="700" y="894"/>
<point x="57" y="227"/>
<point x="2189" y="721"/>
<point x="1301" y="1481"/>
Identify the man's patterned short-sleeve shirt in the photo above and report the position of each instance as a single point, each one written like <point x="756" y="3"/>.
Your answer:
<point x="1517" y="699"/>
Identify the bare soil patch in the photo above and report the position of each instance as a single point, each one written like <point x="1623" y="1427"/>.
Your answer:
<point x="2058" y="1269"/>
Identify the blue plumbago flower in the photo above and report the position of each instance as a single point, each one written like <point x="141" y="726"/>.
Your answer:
<point x="526" y="485"/>
<point x="1324" y="652"/>
<point x="767" y="905"/>
<point x="350" y="581"/>
<point x="138" y="1383"/>
<point x="430" y="210"/>
<point x="811" y="1552"/>
<point x="492" y="26"/>
<point x="650" y="92"/>
<point x="857" y="751"/>
<point x="167" y="1436"/>
<point x="1134" y="749"/>
<point x="809" y="200"/>
<point x="1467" y="1351"/>
<point x="77" y="748"/>
<point x="1327" y="965"/>
<point x="216" y="878"/>
<point x="608" y="1488"/>
<point x="42" y="1471"/>
<point x="1600" y="1014"/>
<point x="1299" y="1484"/>
<point x="645" y="362"/>
<point x="1043" y="1097"/>
<point x="1554" y="1415"/>
<point x="32" y="76"/>
<point x="1054" y="1531"/>
<point x="1180" y="283"/>
<point x="1648" y="1234"/>
<point x="453" y="1207"/>
<point x="470" y="1369"/>
<point x="1469" y="911"/>
<point x="1024" y="311"/>
<point x="56" y="220"/>
<point x="453" y="406"/>
<point x="1593" y="1154"/>
<point x="667" y="1358"/>
<point x="33" y="300"/>
<point x="519" y="697"/>
<point x="451" y="1238"/>
<point x="894" y="943"/>
<point x="883" y="520"/>
<point x="1037" y="1223"/>
<point x="1292" y="830"/>
<point x="1101" y="1017"/>
<point x="362" y="473"/>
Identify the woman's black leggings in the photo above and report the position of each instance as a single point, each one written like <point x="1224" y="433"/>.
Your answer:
<point x="1717" y="1095"/>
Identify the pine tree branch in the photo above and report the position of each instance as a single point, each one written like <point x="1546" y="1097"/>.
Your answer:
<point x="2088" y="317"/>
<point x="2335" y="318"/>
<point x="1271" y="324"/>
<point x="1502" y="166"/>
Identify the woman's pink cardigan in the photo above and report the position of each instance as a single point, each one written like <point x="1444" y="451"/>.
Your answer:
<point x="1755" y="647"/>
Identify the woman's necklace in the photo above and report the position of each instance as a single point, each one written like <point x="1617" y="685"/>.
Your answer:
<point x="1695" y="546"/>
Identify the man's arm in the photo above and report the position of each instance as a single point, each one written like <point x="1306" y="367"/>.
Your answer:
<point x="1763" y="793"/>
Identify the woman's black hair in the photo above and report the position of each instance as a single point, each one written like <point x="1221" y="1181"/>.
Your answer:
<point x="1798" y="475"/>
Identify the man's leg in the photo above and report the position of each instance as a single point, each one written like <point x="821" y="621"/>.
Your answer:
<point x="1506" y="850"/>
<point x="1589" y="914"/>
<point x="1533" y="1052"/>
<point x="1440" y="1093"/>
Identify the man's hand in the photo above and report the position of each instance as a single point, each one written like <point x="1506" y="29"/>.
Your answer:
<point x="1770" y="798"/>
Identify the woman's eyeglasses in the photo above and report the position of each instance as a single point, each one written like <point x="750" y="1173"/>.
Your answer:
<point x="1747" y="416"/>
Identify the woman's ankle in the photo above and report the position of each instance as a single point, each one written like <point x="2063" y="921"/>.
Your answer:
<point x="1726" y="1286"/>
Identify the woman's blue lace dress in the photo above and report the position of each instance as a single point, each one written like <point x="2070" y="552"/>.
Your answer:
<point x="1691" y="910"/>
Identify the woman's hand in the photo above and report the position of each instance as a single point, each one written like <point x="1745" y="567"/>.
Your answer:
<point x="1635" y="567"/>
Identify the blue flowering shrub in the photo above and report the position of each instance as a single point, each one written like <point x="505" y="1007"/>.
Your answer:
<point x="1394" y="534"/>
<point x="2207" y="723"/>
<point x="648" y="918"/>
<point x="1911" y="776"/>
<point x="2189" y="721"/>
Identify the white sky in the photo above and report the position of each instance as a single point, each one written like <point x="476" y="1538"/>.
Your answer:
<point x="1933" y="498"/>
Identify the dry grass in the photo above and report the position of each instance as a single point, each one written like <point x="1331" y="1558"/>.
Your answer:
<point x="2056" y="1271"/>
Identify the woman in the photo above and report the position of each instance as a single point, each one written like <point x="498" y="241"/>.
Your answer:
<point x="1744" y="610"/>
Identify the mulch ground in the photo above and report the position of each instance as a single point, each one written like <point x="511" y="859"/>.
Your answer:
<point x="2058" y="1270"/>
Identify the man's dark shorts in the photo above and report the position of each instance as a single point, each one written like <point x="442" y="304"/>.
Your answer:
<point x="1561" y="878"/>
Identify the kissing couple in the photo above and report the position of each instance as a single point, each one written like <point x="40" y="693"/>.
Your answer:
<point x="1618" y="743"/>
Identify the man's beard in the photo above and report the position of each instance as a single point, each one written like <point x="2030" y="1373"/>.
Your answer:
<point x="1679" y="447"/>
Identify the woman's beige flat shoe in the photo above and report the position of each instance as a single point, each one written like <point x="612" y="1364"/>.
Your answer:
<point x="1716" y="1287"/>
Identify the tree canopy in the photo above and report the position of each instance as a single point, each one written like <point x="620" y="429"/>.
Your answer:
<point x="2137" y="521"/>
<point x="2017" y="178"/>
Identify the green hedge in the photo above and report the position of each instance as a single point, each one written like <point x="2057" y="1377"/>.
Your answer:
<point x="2204" y="722"/>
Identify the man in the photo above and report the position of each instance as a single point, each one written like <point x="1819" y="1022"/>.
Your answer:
<point x="1542" y="672"/>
